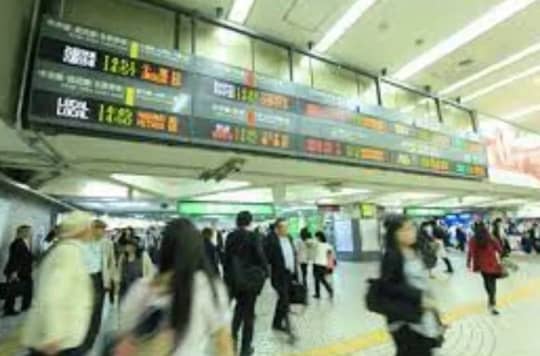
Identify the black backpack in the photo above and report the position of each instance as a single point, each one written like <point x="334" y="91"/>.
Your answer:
<point x="247" y="277"/>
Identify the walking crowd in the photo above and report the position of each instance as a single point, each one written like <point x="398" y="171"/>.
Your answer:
<point x="179" y="291"/>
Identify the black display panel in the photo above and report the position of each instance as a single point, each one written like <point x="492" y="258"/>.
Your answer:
<point x="95" y="82"/>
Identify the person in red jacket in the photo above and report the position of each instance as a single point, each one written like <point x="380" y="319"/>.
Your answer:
<point x="484" y="257"/>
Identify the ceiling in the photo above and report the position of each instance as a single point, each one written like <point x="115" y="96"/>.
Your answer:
<point x="393" y="32"/>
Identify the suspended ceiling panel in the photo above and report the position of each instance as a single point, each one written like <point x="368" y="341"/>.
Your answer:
<point x="507" y="38"/>
<point x="386" y="35"/>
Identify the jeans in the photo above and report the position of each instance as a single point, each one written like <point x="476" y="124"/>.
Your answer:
<point x="244" y="315"/>
<point x="320" y="277"/>
<point x="490" y="284"/>
<point x="411" y="343"/>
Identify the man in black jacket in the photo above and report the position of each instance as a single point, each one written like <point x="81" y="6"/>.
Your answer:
<point x="281" y="255"/>
<point x="18" y="270"/>
<point x="245" y="269"/>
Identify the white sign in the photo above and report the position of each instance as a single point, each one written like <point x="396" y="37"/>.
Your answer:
<point x="72" y="108"/>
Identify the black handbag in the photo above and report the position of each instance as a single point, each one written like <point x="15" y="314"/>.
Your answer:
<point x="297" y="293"/>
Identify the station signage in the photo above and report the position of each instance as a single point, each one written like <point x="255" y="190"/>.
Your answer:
<point x="91" y="82"/>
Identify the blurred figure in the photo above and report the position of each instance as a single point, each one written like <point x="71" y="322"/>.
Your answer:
<point x="49" y="240"/>
<point x="414" y="324"/>
<point x="322" y="264"/>
<point x="427" y="247"/>
<point x="500" y="235"/>
<point x="281" y="255"/>
<point x="245" y="270"/>
<point x="133" y="263"/>
<point x="211" y="250"/>
<point x="441" y="238"/>
<point x="58" y="321"/>
<point x="461" y="237"/>
<point x="18" y="270"/>
<point x="304" y="247"/>
<point x="182" y="308"/>
<point x="100" y="261"/>
<point x="483" y="257"/>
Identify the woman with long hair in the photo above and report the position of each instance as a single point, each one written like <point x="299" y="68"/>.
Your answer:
<point x="415" y="326"/>
<point x="484" y="257"/>
<point x="179" y="310"/>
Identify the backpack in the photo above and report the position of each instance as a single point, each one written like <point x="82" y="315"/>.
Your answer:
<point x="247" y="278"/>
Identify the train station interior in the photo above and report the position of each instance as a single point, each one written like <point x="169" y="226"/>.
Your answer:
<point x="329" y="118"/>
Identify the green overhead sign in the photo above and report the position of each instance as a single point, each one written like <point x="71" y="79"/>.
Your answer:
<point x="219" y="208"/>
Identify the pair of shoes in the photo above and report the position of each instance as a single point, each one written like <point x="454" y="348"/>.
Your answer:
<point x="11" y="313"/>
<point x="280" y="328"/>
<point x="317" y="296"/>
<point x="292" y="339"/>
<point x="250" y="351"/>
<point x="494" y="311"/>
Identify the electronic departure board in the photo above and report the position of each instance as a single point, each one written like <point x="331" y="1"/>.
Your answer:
<point x="91" y="82"/>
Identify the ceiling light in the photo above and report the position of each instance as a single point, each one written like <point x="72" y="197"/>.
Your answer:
<point x="522" y="112"/>
<point x="501" y="83"/>
<point x="240" y="10"/>
<point x="343" y="24"/>
<point x="492" y="68"/>
<point x="484" y="23"/>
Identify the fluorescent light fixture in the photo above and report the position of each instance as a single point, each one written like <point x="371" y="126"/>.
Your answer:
<point x="522" y="112"/>
<point x="501" y="83"/>
<point x="484" y="23"/>
<point x="343" y="24"/>
<point x="492" y="68"/>
<point x="240" y="10"/>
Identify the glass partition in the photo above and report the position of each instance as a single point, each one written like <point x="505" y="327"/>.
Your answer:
<point x="330" y="78"/>
<point x="271" y="60"/>
<point x="223" y="45"/>
<point x="184" y="34"/>
<point x="457" y="120"/>
<point x="302" y="69"/>
<point x="417" y="109"/>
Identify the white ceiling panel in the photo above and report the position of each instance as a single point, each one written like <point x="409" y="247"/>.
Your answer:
<point x="393" y="32"/>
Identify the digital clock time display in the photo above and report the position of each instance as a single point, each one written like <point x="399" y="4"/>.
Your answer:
<point x="109" y="63"/>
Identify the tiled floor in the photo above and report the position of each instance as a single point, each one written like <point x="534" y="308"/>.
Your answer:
<point x="345" y="327"/>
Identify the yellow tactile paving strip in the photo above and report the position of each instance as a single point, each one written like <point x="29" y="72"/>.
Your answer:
<point x="380" y="336"/>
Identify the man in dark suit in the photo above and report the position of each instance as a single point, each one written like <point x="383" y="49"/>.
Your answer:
<point x="245" y="269"/>
<point x="281" y="255"/>
<point x="18" y="270"/>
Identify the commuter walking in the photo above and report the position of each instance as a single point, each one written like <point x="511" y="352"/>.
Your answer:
<point x="405" y="294"/>
<point x="100" y="261"/>
<point x="323" y="264"/>
<point x="18" y="271"/>
<point x="134" y="263"/>
<point x="281" y="255"/>
<point x="60" y="315"/>
<point x="210" y="249"/>
<point x="245" y="270"/>
<point x="461" y="237"/>
<point x="181" y="310"/>
<point x="484" y="257"/>
<point x="304" y="247"/>
<point x="441" y="238"/>
<point x="500" y="235"/>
